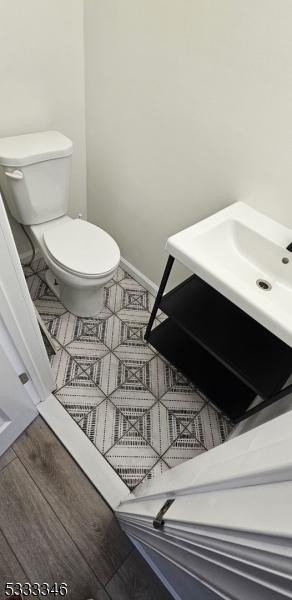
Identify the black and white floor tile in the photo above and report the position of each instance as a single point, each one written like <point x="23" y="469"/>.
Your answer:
<point x="209" y="427"/>
<point x="80" y="396"/>
<point x="47" y="304"/>
<point x="38" y="265"/>
<point x="186" y="446"/>
<point x="64" y="367"/>
<point x="132" y="457"/>
<point x="159" y="468"/>
<point x="105" y="425"/>
<point x="159" y="427"/>
<point x="68" y="328"/>
<point x="87" y="349"/>
<point x="140" y="412"/>
<point x="133" y="399"/>
<point x="158" y="375"/>
<point x="36" y="286"/>
<point x="109" y="373"/>
<point x="185" y="404"/>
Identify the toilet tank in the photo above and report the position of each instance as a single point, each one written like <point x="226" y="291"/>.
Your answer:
<point x="35" y="174"/>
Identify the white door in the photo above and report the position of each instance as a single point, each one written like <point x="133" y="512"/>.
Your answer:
<point x="229" y="527"/>
<point x="17" y="410"/>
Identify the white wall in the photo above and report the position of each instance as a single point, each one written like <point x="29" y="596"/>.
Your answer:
<point x="42" y="78"/>
<point x="189" y="107"/>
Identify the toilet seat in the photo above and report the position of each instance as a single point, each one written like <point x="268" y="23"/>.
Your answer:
<point x="82" y="248"/>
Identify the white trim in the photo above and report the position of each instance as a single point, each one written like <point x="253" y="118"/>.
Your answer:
<point x="139" y="276"/>
<point x="89" y="459"/>
<point x="262" y="455"/>
<point x="249" y="548"/>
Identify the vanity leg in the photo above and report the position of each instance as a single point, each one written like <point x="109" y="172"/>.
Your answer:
<point x="163" y="283"/>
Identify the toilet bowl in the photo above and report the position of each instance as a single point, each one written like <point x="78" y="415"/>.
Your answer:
<point x="82" y="257"/>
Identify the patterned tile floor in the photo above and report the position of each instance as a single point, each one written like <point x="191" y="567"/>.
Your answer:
<point x="139" y="411"/>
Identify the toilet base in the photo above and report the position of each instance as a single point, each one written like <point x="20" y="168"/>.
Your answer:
<point x="82" y="302"/>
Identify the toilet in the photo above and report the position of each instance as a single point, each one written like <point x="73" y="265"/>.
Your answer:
<point x="81" y="257"/>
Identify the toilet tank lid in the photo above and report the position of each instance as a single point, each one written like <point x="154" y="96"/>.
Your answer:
<point x="21" y="150"/>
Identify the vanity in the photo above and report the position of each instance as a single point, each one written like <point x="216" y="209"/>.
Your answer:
<point x="229" y="325"/>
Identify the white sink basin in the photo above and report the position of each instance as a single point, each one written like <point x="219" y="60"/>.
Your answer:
<point x="237" y="250"/>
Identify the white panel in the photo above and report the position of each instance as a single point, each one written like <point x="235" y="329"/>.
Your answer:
<point x="238" y="583"/>
<point x="237" y="541"/>
<point x="17" y="410"/>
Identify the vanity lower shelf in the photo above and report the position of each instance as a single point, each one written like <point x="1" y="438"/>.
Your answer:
<point x="208" y="375"/>
<point x="223" y="351"/>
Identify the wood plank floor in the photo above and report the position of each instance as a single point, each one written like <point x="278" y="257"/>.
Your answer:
<point x="55" y="527"/>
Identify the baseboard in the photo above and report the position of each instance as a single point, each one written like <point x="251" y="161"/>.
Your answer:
<point x="89" y="459"/>
<point x="139" y="276"/>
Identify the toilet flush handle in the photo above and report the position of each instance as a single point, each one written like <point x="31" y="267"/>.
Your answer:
<point x="16" y="174"/>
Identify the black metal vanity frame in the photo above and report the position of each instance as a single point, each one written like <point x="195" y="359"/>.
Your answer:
<point x="228" y="355"/>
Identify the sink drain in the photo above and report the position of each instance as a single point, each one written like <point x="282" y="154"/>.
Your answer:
<point x="263" y="284"/>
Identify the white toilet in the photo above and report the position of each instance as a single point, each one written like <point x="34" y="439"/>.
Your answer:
<point x="35" y="180"/>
